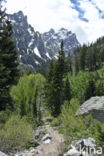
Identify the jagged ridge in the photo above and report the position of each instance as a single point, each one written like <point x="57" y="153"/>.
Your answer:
<point x="37" y="49"/>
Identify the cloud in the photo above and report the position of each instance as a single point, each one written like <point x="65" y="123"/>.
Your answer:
<point x="81" y="12"/>
<point x="83" y="17"/>
<point x="45" y="14"/>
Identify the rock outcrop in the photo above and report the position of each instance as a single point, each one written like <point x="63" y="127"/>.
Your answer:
<point x="82" y="147"/>
<point x="93" y="106"/>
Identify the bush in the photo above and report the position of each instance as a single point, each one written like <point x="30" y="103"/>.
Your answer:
<point x="16" y="134"/>
<point x="4" y="115"/>
<point x="97" y="131"/>
<point x="76" y="127"/>
<point x="27" y="94"/>
<point x="79" y="85"/>
<point x="71" y="126"/>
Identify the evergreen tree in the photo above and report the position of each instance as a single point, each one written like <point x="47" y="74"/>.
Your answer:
<point x="82" y="56"/>
<point x="47" y="88"/>
<point x="91" y="59"/>
<point x="8" y="61"/>
<point x="50" y="72"/>
<point x="76" y="65"/>
<point x="55" y="95"/>
<point x="67" y="92"/>
<point x="90" y="91"/>
<point x="69" y="64"/>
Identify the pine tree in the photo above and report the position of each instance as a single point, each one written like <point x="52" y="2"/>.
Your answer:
<point x="69" y="64"/>
<point x="76" y="65"/>
<point x="50" y="72"/>
<point x="55" y="95"/>
<point x="91" y="58"/>
<point x="67" y="92"/>
<point x="48" y="87"/>
<point x="90" y="92"/>
<point x="82" y="56"/>
<point x="8" y="61"/>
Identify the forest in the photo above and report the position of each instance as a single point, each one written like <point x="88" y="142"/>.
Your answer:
<point x="25" y="99"/>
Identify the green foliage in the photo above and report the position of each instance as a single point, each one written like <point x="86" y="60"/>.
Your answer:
<point x="76" y="64"/>
<point x="4" y="115"/>
<point x="99" y="85"/>
<point x="16" y="134"/>
<point x="79" y="85"/>
<point x="55" y="84"/>
<point x="71" y="126"/>
<point x="67" y="90"/>
<point x="27" y="93"/>
<point x="97" y="131"/>
<point x="91" y="56"/>
<point x="75" y="127"/>
<point x="8" y="62"/>
<point x="82" y="56"/>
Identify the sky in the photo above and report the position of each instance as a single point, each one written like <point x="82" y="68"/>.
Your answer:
<point x="83" y="17"/>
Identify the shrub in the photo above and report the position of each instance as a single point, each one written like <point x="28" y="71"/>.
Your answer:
<point x="27" y="94"/>
<point x="15" y="134"/>
<point x="79" y="85"/>
<point x="4" y="116"/>
<point x="71" y="126"/>
<point x="97" y="131"/>
<point x="76" y="127"/>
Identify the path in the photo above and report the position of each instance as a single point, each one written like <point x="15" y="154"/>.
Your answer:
<point x="54" y="148"/>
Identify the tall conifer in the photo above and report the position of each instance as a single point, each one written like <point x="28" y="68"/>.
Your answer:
<point x="8" y="61"/>
<point x="55" y="95"/>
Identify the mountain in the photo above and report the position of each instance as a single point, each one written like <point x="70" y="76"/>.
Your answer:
<point x="36" y="49"/>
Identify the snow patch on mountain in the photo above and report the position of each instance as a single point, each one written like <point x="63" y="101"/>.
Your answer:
<point x="36" y="51"/>
<point x="47" y="54"/>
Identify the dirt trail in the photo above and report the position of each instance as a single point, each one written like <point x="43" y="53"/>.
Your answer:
<point x="54" y="148"/>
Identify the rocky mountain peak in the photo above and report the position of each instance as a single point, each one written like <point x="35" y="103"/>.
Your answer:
<point x="51" y="31"/>
<point x="36" y="49"/>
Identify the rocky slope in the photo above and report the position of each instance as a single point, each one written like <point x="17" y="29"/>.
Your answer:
<point x="36" y="49"/>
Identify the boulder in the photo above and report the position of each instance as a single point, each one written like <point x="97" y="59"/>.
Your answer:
<point x="93" y="106"/>
<point x="72" y="152"/>
<point x="2" y="154"/>
<point x="46" y="139"/>
<point x="90" y="142"/>
<point x="82" y="147"/>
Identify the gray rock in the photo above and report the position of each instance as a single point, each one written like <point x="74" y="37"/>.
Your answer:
<point x="37" y="133"/>
<point x="90" y="142"/>
<point x="31" y="152"/>
<point x="47" y="136"/>
<point x="46" y="139"/>
<point x="82" y="148"/>
<point x="93" y="106"/>
<point x="3" y="154"/>
<point x="72" y="152"/>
